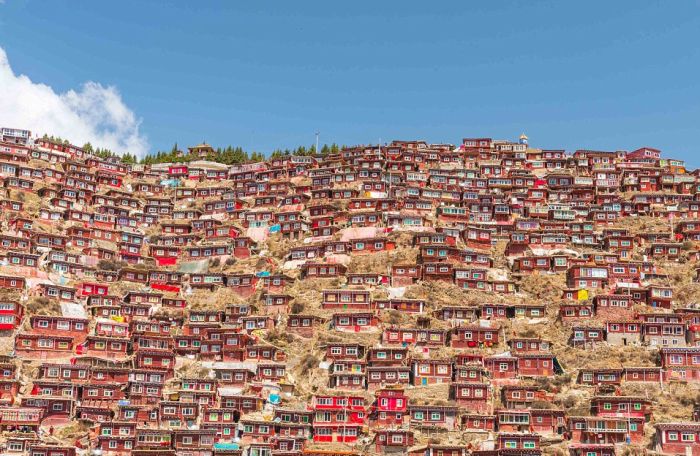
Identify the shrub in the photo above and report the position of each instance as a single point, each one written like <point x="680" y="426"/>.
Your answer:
<point x="309" y="362"/>
<point x="297" y="307"/>
<point x="108" y="265"/>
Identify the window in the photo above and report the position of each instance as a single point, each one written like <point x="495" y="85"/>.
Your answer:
<point x="688" y="437"/>
<point x="45" y="343"/>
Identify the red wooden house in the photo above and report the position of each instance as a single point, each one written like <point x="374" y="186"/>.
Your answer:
<point x="523" y="442"/>
<point x="338" y="418"/>
<point x="537" y="365"/>
<point x="473" y="335"/>
<point x="501" y="367"/>
<point x="389" y="408"/>
<point x="434" y="449"/>
<point x="345" y="299"/>
<point x="598" y="429"/>
<point x="414" y="336"/>
<point x="354" y="321"/>
<point x="678" y="438"/>
<point x="433" y="416"/>
<point x="631" y="406"/>
<point x="681" y="363"/>
<point x="431" y="371"/>
<point x="474" y="397"/>
<point x="599" y="376"/>
<point x="11" y="313"/>
<point x="393" y="440"/>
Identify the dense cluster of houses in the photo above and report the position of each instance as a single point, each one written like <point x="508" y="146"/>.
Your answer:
<point x="165" y="309"/>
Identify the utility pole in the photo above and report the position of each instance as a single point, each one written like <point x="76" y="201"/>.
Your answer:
<point x="388" y="170"/>
<point x="670" y="220"/>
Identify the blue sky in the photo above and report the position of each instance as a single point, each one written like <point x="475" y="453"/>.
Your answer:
<point x="263" y="75"/>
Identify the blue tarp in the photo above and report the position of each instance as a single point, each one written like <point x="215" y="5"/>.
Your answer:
<point x="225" y="446"/>
<point x="170" y="182"/>
<point x="262" y="274"/>
<point x="275" y="229"/>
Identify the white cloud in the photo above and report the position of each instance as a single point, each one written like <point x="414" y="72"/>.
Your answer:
<point x="93" y="113"/>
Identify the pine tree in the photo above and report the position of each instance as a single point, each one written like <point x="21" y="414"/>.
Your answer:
<point x="128" y="159"/>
